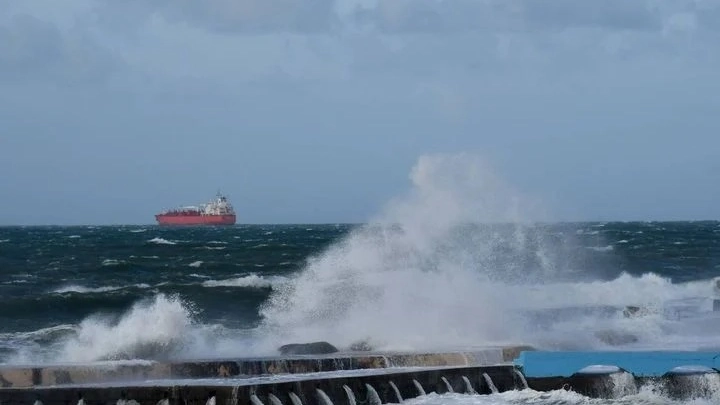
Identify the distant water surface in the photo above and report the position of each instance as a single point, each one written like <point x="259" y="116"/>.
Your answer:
<point x="114" y="292"/>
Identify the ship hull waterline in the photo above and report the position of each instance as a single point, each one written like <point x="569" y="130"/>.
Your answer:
<point x="195" y="219"/>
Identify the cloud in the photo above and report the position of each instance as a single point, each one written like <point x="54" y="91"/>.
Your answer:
<point x="398" y="16"/>
<point x="232" y="16"/>
<point x="36" y="49"/>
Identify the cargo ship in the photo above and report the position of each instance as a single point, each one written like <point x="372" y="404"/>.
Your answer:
<point x="215" y="212"/>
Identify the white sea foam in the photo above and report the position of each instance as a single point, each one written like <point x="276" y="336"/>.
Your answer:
<point x="162" y="241"/>
<point x="602" y="248"/>
<point x="72" y="288"/>
<point x="112" y="262"/>
<point x="15" y="282"/>
<point x="516" y="397"/>
<point x="196" y="263"/>
<point x="83" y="290"/>
<point x="252" y="280"/>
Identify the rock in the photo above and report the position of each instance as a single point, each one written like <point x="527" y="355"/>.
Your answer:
<point x="615" y="338"/>
<point x="632" y="311"/>
<point x="361" y="346"/>
<point x="308" y="348"/>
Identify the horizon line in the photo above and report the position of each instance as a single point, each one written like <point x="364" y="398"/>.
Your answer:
<point x="590" y="221"/>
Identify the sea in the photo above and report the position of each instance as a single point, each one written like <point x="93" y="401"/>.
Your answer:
<point x="145" y="292"/>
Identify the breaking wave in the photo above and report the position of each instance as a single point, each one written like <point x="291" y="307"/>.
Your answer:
<point x="459" y="262"/>
<point x="175" y="333"/>
<point x="161" y="241"/>
<point x="252" y="280"/>
<point x="72" y="288"/>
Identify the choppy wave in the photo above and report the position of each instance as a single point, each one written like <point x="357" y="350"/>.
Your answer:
<point x="89" y="290"/>
<point x="84" y="290"/>
<point x="162" y="241"/>
<point x="252" y="280"/>
<point x="607" y="248"/>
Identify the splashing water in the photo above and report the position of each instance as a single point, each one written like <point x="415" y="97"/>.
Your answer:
<point x="623" y="384"/>
<point x="160" y="328"/>
<point x="418" y="264"/>
<point x="518" y="397"/>
<point x="490" y="383"/>
<point x="131" y="336"/>
<point x="456" y="263"/>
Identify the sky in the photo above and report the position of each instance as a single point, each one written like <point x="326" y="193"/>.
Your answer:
<point x="307" y="111"/>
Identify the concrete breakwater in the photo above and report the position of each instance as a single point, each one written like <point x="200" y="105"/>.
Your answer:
<point x="375" y="388"/>
<point x="51" y="375"/>
<point x="366" y="379"/>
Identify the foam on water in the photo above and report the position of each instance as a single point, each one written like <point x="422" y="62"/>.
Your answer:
<point x="251" y="280"/>
<point x="528" y="396"/>
<point x="72" y="288"/>
<point x="161" y="241"/>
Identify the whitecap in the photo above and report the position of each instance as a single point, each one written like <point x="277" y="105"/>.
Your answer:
<point x="252" y="280"/>
<point x="162" y="241"/>
<point x="83" y="290"/>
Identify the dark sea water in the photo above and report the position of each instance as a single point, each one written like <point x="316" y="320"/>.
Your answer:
<point x="146" y="292"/>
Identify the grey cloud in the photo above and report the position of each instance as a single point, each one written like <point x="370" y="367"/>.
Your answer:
<point x="230" y="16"/>
<point x="31" y="48"/>
<point x="613" y="14"/>
<point x="28" y="44"/>
<point x="432" y="16"/>
<point x="403" y="16"/>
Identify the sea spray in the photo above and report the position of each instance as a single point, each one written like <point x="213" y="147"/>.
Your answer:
<point x="159" y="328"/>
<point x="149" y="330"/>
<point x="457" y="262"/>
<point x="427" y="264"/>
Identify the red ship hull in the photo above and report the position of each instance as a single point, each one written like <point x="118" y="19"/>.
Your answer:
<point x="165" y="219"/>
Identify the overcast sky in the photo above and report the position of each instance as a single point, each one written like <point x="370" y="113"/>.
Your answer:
<point x="316" y="110"/>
